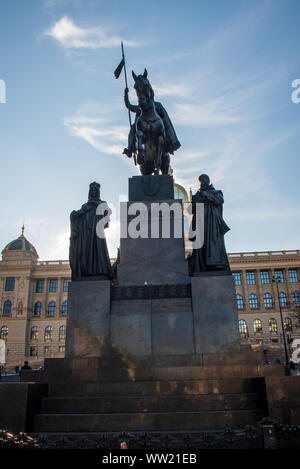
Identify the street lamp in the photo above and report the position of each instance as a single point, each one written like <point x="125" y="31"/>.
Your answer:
<point x="278" y="280"/>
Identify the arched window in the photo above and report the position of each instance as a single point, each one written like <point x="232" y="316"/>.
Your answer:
<point x="62" y="333"/>
<point x="51" y="308"/>
<point x="257" y="325"/>
<point x="287" y="324"/>
<point x="3" y="332"/>
<point x="37" y="308"/>
<point x="268" y="300"/>
<point x="7" y="307"/>
<point x="48" y="333"/>
<point x="273" y="325"/>
<point x="64" y="308"/>
<point x="282" y="299"/>
<point x="243" y="327"/>
<point x="296" y="297"/>
<point x="253" y="301"/>
<point x="239" y="301"/>
<point x="34" y="333"/>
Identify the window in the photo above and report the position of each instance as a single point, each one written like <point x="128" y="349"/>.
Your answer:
<point x="268" y="300"/>
<point x="51" y="308"/>
<point x="240" y="301"/>
<point x="64" y="308"/>
<point x="34" y="333"/>
<point x="61" y="349"/>
<point x="47" y="350"/>
<point x="264" y="276"/>
<point x="257" y="325"/>
<point x="33" y="351"/>
<point x="66" y="284"/>
<point x="37" y="308"/>
<point x="287" y="324"/>
<point x="53" y="284"/>
<point x="7" y="308"/>
<point x="293" y="275"/>
<point x="243" y="328"/>
<point x="237" y="278"/>
<point x="40" y="286"/>
<point x="48" y="333"/>
<point x="10" y="284"/>
<point x="250" y="276"/>
<point x="278" y="274"/>
<point x="3" y="332"/>
<point x="253" y="301"/>
<point x="296" y="297"/>
<point x="62" y="333"/>
<point x="273" y="325"/>
<point x="282" y="299"/>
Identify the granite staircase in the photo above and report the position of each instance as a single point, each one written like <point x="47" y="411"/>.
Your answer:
<point x="173" y="398"/>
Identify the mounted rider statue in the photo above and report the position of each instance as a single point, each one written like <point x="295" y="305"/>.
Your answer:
<point x="152" y="137"/>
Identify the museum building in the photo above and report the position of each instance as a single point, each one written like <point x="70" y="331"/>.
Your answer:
<point x="34" y="300"/>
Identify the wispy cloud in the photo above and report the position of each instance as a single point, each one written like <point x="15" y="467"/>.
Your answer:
<point x="172" y="90"/>
<point x="71" y="36"/>
<point x="96" y="123"/>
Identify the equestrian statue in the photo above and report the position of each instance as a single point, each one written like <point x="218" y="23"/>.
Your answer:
<point x="152" y="137"/>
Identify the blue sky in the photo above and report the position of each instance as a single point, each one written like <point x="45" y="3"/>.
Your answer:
<point x="222" y="69"/>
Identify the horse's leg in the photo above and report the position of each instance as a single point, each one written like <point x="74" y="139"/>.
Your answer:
<point x="165" y="163"/>
<point x="139" y="139"/>
<point x="160" y="147"/>
<point x="147" y="168"/>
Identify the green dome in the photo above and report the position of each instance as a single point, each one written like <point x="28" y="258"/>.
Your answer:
<point x="20" y="244"/>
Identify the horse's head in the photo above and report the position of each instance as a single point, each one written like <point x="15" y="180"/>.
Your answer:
<point x="143" y="90"/>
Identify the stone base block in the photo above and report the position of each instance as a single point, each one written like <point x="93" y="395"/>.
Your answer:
<point x="159" y="187"/>
<point x="152" y="244"/>
<point x="215" y="314"/>
<point x="88" y="319"/>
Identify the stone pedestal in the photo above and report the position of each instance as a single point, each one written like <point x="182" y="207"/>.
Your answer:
<point x="215" y="314"/>
<point x="150" y="188"/>
<point x="156" y="309"/>
<point x="157" y="256"/>
<point x="89" y="318"/>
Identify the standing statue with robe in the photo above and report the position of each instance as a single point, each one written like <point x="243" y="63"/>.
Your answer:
<point x="89" y="258"/>
<point x="212" y="255"/>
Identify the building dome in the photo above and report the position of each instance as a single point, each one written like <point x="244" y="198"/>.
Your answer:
<point x="180" y="192"/>
<point x="20" y="244"/>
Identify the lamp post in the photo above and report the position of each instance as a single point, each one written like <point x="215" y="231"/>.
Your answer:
<point x="278" y="280"/>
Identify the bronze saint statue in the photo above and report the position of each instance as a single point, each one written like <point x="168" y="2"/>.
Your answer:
<point x="212" y="255"/>
<point x="152" y="137"/>
<point x="89" y="258"/>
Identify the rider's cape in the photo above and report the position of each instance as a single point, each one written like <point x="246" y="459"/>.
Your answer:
<point x="172" y="142"/>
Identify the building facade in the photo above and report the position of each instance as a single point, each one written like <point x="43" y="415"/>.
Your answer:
<point x="34" y="294"/>
<point x="260" y="298"/>
<point x="33" y="303"/>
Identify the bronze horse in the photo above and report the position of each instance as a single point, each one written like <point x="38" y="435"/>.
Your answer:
<point x="152" y="136"/>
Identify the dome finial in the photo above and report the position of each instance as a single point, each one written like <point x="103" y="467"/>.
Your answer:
<point x="23" y="228"/>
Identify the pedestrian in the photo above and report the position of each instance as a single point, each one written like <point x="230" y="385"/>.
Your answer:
<point x="292" y="367"/>
<point x="25" y="367"/>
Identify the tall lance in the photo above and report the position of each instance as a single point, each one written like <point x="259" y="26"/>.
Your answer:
<point x="117" y="73"/>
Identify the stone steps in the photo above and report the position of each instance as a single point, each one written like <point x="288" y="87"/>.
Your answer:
<point x="84" y="396"/>
<point x="166" y="403"/>
<point x="149" y="421"/>
<point x="164" y="373"/>
<point x="142" y="388"/>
